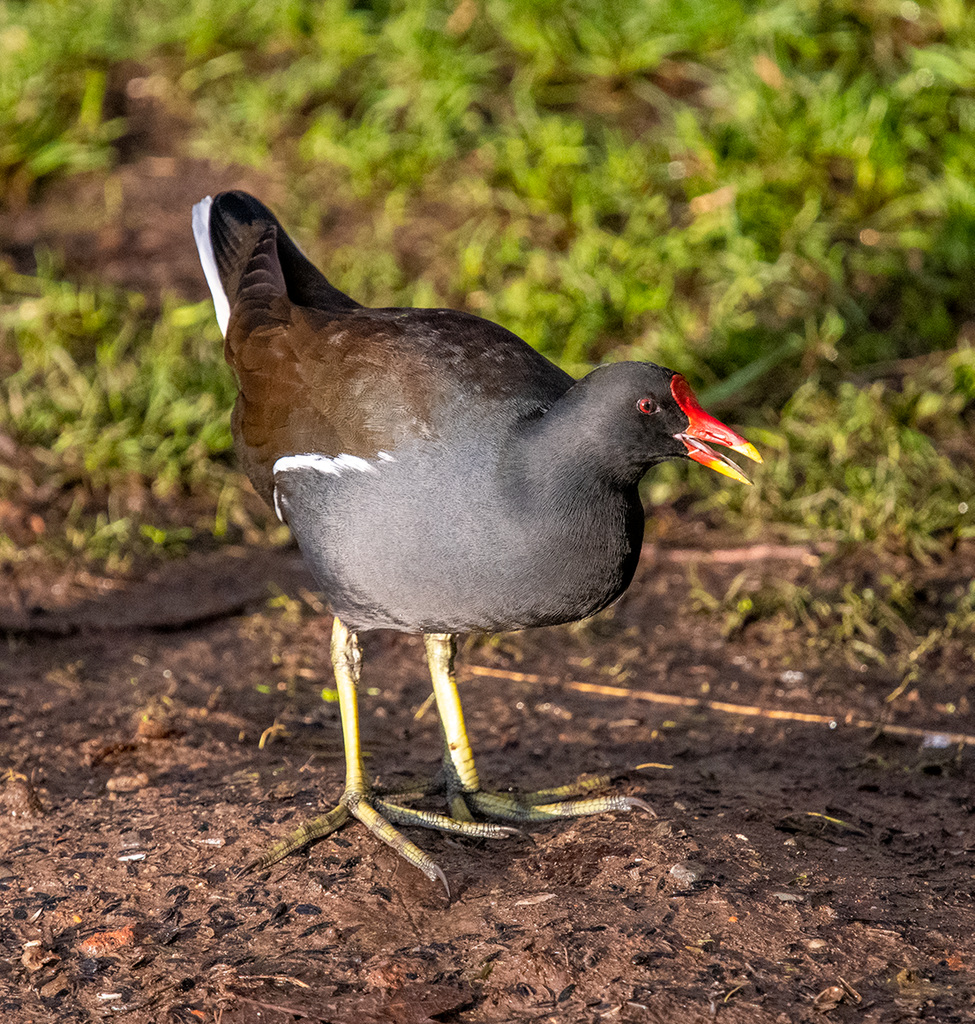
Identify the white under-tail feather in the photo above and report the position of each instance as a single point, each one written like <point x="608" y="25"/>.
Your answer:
<point x="201" y="232"/>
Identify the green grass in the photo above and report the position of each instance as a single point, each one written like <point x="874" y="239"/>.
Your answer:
<point x="115" y="394"/>
<point x="120" y="419"/>
<point x="867" y="464"/>
<point x="888" y="620"/>
<point x="772" y="197"/>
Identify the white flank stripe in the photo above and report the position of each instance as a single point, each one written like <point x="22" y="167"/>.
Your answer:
<point x="201" y="232"/>
<point x="323" y="464"/>
<point x="354" y="462"/>
<point x="319" y="463"/>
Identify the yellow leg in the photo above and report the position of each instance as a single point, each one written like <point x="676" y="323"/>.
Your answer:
<point x="458" y="760"/>
<point x="358" y="800"/>
<point x="464" y="792"/>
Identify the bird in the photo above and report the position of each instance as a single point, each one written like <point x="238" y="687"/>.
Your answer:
<point x="441" y="477"/>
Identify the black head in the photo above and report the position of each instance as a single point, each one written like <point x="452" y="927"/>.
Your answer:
<point x="638" y="414"/>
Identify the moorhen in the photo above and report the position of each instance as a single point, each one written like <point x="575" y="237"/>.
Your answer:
<point x="440" y="477"/>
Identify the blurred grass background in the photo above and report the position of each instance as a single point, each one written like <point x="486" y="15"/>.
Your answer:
<point x="775" y="198"/>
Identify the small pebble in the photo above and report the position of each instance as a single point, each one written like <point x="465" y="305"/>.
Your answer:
<point x="153" y="729"/>
<point x="687" y="871"/>
<point x="531" y="901"/>
<point x="127" y="783"/>
<point x="102" y="943"/>
<point x="19" y="798"/>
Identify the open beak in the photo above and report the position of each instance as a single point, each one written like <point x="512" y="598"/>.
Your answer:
<point x="703" y="428"/>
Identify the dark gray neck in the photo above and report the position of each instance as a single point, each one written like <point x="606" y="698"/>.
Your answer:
<point x="573" y="448"/>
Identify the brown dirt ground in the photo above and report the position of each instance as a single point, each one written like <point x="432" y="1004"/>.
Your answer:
<point x="795" y="872"/>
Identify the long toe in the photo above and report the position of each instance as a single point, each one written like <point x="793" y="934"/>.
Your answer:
<point x="309" y="832"/>
<point x="361" y="808"/>
<point x="378" y="815"/>
<point x="442" y="822"/>
<point x="539" y="806"/>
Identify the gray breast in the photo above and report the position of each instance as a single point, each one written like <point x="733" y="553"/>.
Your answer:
<point x="445" y="550"/>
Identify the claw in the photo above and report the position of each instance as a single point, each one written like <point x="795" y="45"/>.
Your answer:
<point x="635" y="803"/>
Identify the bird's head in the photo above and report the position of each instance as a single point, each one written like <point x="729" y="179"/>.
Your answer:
<point x="643" y="414"/>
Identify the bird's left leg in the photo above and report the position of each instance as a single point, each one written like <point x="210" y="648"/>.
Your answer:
<point x="464" y="792"/>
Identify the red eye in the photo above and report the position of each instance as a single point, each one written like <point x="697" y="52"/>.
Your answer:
<point x="647" y="406"/>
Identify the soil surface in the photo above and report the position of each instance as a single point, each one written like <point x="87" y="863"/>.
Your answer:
<point x="806" y="863"/>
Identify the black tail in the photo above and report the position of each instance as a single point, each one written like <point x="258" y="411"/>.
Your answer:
<point x="242" y="233"/>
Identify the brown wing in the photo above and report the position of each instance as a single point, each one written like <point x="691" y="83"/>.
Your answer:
<point x="371" y="380"/>
<point x="320" y="373"/>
